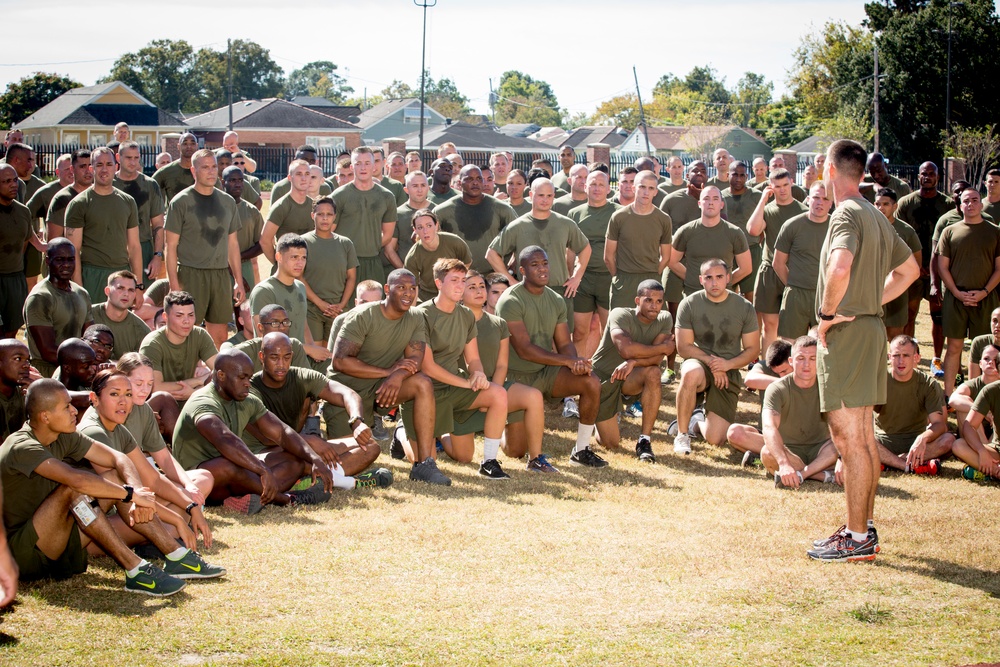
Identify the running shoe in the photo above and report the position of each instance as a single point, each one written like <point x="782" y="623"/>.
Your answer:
<point x="571" y="409"/>
<point x="936" y="368"/>
<point x="373" y="479"/>
<point x="541" y="464"/>
<point x="249" y="504"/>
<point x="192" y="566"/>
<point x="314" y="495"/>
<point x="845" y="549"/>
<point x="151" y="580"/>
<point x="634" y="410"/>
<point x="644" y="451"/>
<point x="427" y="471"/>
<point x="586" y="457"/>
<point x="490" y="469"/>
<point x="682" y="443"/>
<point x="931" y="467"/>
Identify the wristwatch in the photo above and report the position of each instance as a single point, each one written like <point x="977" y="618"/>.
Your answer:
<point x="825" y="318"/>
<point x="140" y="287"/>
<point x="190" y="507"/>
<point x="352" y="420"/>
<point x="128" y="493"/>
<point x="158" y="254"/>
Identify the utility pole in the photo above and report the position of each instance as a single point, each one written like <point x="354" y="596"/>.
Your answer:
<point x="642" y="114"/>
<point x="876" y="97"/>
<point x="423" y="66"/>
<point x="229" y="77"/>
<point x="493" y="102"/>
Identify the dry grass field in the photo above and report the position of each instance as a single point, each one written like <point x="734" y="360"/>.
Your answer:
<point x="691" y="561"/>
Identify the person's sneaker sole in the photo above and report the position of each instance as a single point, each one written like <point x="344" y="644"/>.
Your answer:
<point x="249" y="504"/>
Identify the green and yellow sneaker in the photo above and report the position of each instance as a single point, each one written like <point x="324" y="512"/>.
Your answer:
<point x="151" y="580"/>
<point x="192" y="566"/>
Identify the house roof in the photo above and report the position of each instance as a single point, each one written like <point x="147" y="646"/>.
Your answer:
<point x="269" y="113"/>
<point x="81" y="106"/>
<point x="384" y="110"/>
<point x="323" y="105"/>
<point x="472" y="137"/>
<point x="519" y="129"/>
<point x="676" y="137"/>
<point x="588" y="134"/>
<point x="810" y="145"/>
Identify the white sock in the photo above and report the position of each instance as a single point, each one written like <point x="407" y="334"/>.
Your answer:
<point x="178" y="553"/>
<point x="859" y="537"/>
<point x="490" y="448"/>
<point x="583" y="435"/>
<point x="340" y="480"/>
<point x="644" y="437"/>
<point x="135" y="570"/>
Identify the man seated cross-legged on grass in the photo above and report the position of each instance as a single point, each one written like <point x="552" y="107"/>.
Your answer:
<point x="525" y="405"/>
<point x="795" y="445"/>
<point x="627" y="361"/>
<point x="774" y="366"/>
<point x="965" y="394"/>
<point x="208" y="433"/>
<point x="911" y="427"/>
<point x="465" y="399"/>
<point x="536" y="317"/>
<point x="378" y="353"/>
<point x="49" y="500"/>
<point x="289" y="391"/>
<point x="273" y="319"/>
<point x="717" y="335"/>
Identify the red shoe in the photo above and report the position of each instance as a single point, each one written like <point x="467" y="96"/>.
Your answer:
<point x="931" y="467"/>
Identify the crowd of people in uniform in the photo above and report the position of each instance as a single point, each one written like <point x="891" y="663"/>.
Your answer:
<point x="424" y="308"/>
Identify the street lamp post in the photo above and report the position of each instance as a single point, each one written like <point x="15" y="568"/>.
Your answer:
<point x="423" y="68"/>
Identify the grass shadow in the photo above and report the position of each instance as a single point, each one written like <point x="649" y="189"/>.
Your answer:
<point x="99" y="591"/>
<point x="987" y="581"/>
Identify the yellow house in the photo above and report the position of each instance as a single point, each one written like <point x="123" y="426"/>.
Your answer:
<point x="87" y="117"/>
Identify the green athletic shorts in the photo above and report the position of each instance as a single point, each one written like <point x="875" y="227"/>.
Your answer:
<point x="336" y="417"/>
<point x="807" y="453"/>
<point x="147" y="257"/>
<point x="13" y="294"/>
<point x="798" y="312"/>
<point x="544" y="380"/>
<point x="852" y="367"/>
<point x="212" y="290"/>
<point x="611" y="399"/>
<point x="960" y="321"/>
<point x="246" y="268"/>
<point x="722" y="402"/>
<point x="767" y="291"/>
<point x="32" y="262"/>
<point x="370" y="268"/>
<point x="318" y="323"/>
<point x="624" y="288"/>
<point x="896" y="312"/>
<point x="451" y="405"/>
<point x="897" y="443"/>
<point x="673" y="287"/>
<point x="746" y="285"/>
<point x="95" y="279"/>
<point x="36" y="565"/>
<point x="594" y="292"/>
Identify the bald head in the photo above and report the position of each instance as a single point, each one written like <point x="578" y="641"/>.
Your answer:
<point x="74" y="349"/>
<point x="43" y="396"/>
<point x="275" y="342"/>
<point x="231" y="361"/>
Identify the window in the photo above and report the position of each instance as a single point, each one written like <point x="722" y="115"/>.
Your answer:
<point x="71" y="138"/>
<point x="98" y="138"/>
<point x="143" y="139"/>
<point x="413" y="115"/>
<point x="334" y="143"/>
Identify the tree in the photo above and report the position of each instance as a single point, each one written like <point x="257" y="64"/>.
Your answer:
<point x="522" y="99"/>
<point x="30" y="94"/>
<point x="784" y="123"/>
<point x="160" y="71"/>
<point x="831" y="69"/>
<point x="697" y="99"/>
<point x="255" y="75"/>
<point x="978" y="146"/>
<point x="318" y="79"/>
<point x="622" y="110"/>
<point x="753" y="93"/>
<point x="443" y="97"/>
<point x="397" y="90"/>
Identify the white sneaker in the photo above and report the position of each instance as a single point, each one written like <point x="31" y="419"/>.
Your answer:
<point x="571" y="409"/>
<point x="682" y="443"/>
<point x="697" y="417"/>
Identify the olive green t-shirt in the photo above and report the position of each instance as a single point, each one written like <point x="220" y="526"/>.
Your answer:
<point x="860" y="228"/>
<point x="57" y="207"/>
<point x="607" y="357"/>
<point x="141" y="423"/>
<point x="976" y="386"/>
<point x="739" y="208"/>
<point x="639" y="239"/>
<point x="120" y="439"/>
<point x="291" y="217"/>
<point x="191" y="448"/>
<point x="286" y="403"/>
<point x="327" y="265"/>
<point x="420" y="261"/>
<point x="991" y="209"/>
<point x="560" y="180"/>
<point x="490" y="331"/>
<point x="178" y="362"/>
<point x="24" y="490"/>
<point x="148" y="201"/>
<point x="594" y="223"/>
<point x="907" y="404"/>
<point x="972" y="251"/>
<point x="979" y="343"/>
<point x="204" y="223"/>
<point x="253" y="346"/>
<point x="396" y="188"/>
<point x="31" y="186"/>
<point x="899" y="187"/>
<point x="290" y="297"/>
<point x="775" y="216"/>
<point x="15" y="230"/>
<point x="105" y="220"/>
<point x="129" y="333"/>
<point x="251" y="225"/>
<point x="520" y="209"/>
<point x="477" y="225"/>
<point x="922" y="213"/>
<point x="554" y="234"/>
<point x="438" y="199"/>
<point x="801" y="422"/>
<point x="65" y="311"/>
<point x="986" y="403"/>
<point x="668" y="188"/>
<point x="681" y="207"/>
<point x="284" y="186"/>
<point x="540" y="314"/>
<point x="563" y="205"/>
<point x="11" y="413"/>
<point x="404" y="228"/>
<point x="172" y="178"/>
<point x="360" y="215"/>
<point x="447" y="336"/>
<point x="382" y="341"/>
<point x="718" y="327"/>
<point x="158" y="291"/>
<point x="38" y="205"/>
<point x="802" y="240"/>
<point x="700" y="243"/>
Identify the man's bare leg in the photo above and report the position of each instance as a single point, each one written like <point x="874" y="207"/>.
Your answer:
<point x="232" y="481"/>
<point x="353" y="459"/>
<point x="745" y="438"/>
<point x="419" y="445"/>
<point x="952" y="363"/>
<point x="693" y="380"/>
<point x="854" y="438"/>
<point x="218" y="332"/>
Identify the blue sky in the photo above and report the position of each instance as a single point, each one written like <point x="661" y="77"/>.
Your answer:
<point x="377" y="41"/>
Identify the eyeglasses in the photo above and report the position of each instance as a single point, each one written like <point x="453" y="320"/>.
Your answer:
<point x="278" y="323"/>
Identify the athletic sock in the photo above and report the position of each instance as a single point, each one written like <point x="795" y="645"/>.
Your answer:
<point x="644" y="438"/>
<point x="583" y="435"/>
<point x="491" y="446"/>
<point x="859" y="537"/>
<point x="340" y="480"/>
<point x="134" y="571"/>
<point x="177" y="553"/>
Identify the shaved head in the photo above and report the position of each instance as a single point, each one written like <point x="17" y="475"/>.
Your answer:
<point x="275" y="341"/>
<point x="43" y="395"/>
<point x="231" y="360"/>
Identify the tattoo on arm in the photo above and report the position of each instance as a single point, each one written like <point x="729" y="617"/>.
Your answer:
<point x="416" y="348"/>
<point x="345" y="348"/>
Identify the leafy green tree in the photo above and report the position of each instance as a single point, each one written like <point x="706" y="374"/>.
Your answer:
<point x="30" y="94"/>
<point x="160" y="71"/>
<point x="522" y="99"/>
<point x="784" y="123"/>
<point x="752" y="95"/>
<point x="255" y="76"/>
<point x="318" y="79"/>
